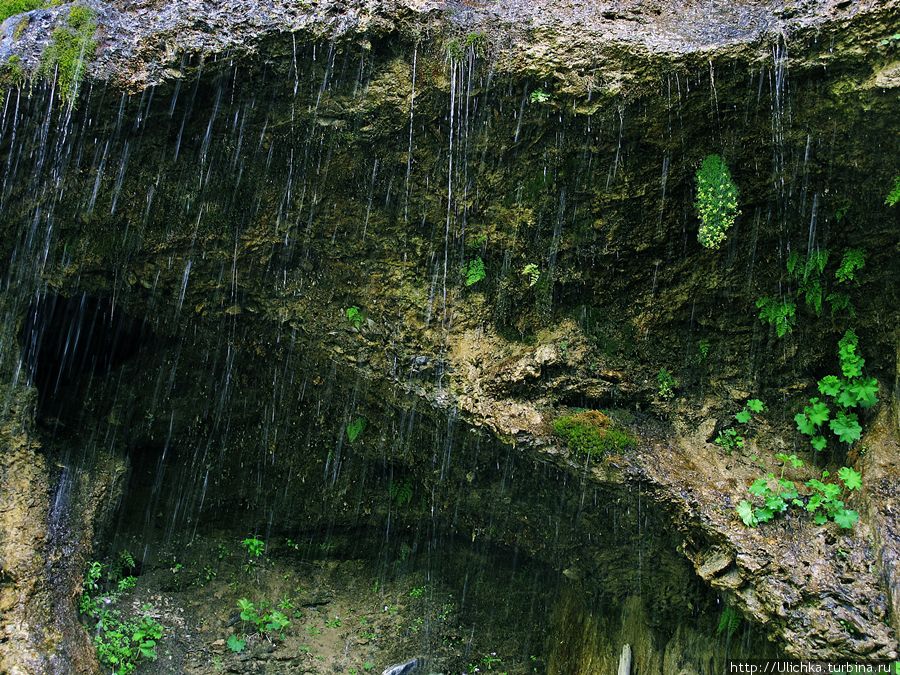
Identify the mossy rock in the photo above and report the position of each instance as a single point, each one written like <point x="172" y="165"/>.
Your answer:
<point x="593" y="433"/>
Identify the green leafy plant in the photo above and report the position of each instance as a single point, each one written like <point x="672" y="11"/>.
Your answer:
<point x="417" y="592"/>
<point x="254" y="546"/>
<point x="703" y="348"/>
<point x="729" y="621"/>
<point x="754" y="405"/>
<point x="400" y="493"/>
<point x="355" y="428"/>
<point x="893" y="196"/>
<point x="729" y="439"/>
<point x="69" y="49"/>
<point x="532" y="273"/>
<point x="592" y="433"/>
<point x="666" y="384"/>
<point x="825" y="503"/>
<point x="334" y="622"/>
<point x="268" y="623"/>
<point x="848" y="391"/>
<point x="778" y="313"/>
<point x="716" y="201"/>
<point x="539" y="96"/>
<point x="473" y="271"/>
<point x="809" y="277"/>
<point x="354" y="316"/>
<point x="854" y="260"/>
<point x="121" y="643"/>
<point x="235" y="644"/>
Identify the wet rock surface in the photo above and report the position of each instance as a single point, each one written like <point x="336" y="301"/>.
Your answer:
<point x="243" y="220"/>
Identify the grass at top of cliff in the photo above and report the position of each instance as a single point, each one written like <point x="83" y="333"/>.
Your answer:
<point x="592" y="433"/>
<point x="10" y="8"/>
<point x="70" y="48"/>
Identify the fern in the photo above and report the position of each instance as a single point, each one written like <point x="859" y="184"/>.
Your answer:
<point x="728" y="622"/>
<point x="777" y="313"/>
<point x="401" y="493"/>
<point x="532" y="273"/>
<point x="854" y="260"/>
<point x="474" y="271"/>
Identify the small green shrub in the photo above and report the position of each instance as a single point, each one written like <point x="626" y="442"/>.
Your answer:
<point x="852" y="390"/>
<point x="716" y="201"/>
<point x="666" y="384"/>
<point x="539" y="96"/>
<point x="592" y="433"/>
<point x="473" y="271"/>
<point x="121" y="643"/>
<point x="267" y="622"/>
<point x="12" y="73"/>
<point x="729" y="439"/>
<point x="854" y="260"/>
<point x="354" y="316"/>
<point x="254" y="546"/>
<point x="70" y="48"/>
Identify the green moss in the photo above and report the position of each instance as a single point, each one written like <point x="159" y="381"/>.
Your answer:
<point x="70" y="48"/>
<point x="592" y="433"/>
<point x="894" y="195"/>
<point x="10" y="8"/>
<point x="12" y="74"/>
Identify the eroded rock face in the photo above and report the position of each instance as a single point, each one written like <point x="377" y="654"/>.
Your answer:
<point x="245" y="210"/>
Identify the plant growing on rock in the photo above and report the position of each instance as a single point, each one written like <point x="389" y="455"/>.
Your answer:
<point x="592" y="433"/>
<point x="10" y="8"/>
<point x="666" y="384"/>
<point x="267" y="623"/>
<point x="893" y="196"/>
<point x="777" y="313"/>
<point x="473" y="271"/>
<point x="778" y="494"/>
<point x="355" y="428"/>
<point x="716" y="201"/>
<point x="70" y="48"/>
<point x="848" y="391"/>
<point x="531" y="273"/>
<point x="354" y="316"/>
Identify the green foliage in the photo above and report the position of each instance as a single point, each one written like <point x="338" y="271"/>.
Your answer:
<point x="354" y="316"/>
<point x="254" y="546"/>
<point x="12" y="74"/>
<point x="824" y="500"/>
<point x="778" y="313"/>
<point x="729" y="439"/>
<point x="532" y="273"/>
<point x="539" y="96"/>
<point x="703" y="348"/>
<point x="854" y="260"/>
<point x="10" y="8"/>
<point x="235" y="644"/>
<point x="893" y="196"/>
<point x="825" y="503"/>
<point x="751" y="407"/>
<point x="71" y="45"/>
<point x="729" y="621"/>
<point x="809" y="277"/>
<point x="126" y="584"/>
<point x="851" y="390"/>
<point x="267" y="622"/>
<point x="592" y="433"/>
<point x="473" y="271"/>
<point x="666" y="384"/>
<point x="716" y="201"/>
<point x="121" y="643"/>
<point x="355" y="428"/>
<point x="401" y="493"/>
